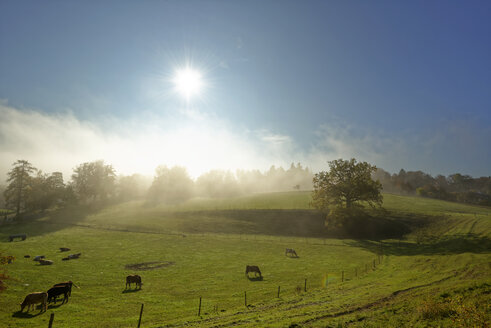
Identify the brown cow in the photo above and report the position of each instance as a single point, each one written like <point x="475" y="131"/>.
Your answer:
<point x="34" y="298"/>
<point x="253" y="268"/>
<point x="133" y="278"/>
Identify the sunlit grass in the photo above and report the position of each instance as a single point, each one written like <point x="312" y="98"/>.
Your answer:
<point x="209" y="261"/>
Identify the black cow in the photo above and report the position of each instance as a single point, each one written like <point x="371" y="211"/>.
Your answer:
<point x="56" y="291"/>
<point x="253" y="268"/>
<point x="68" y="284"/>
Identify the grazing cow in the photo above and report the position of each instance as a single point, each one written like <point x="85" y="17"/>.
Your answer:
<point x="74" y="256"/>
<point x="45" y="262"/>
<point x="56" y="291"/>
<point x="27" y="256"/>
<point x="253" y="268"/>
<point x="38" y="257"/>
<point x="65" y="259"/>
<point x="291" y="251"/>
<point x="34" y="298"/>
<point x="133" y="278"/>
<point x="23" y="236"/>
<point x="68" y="284"/>
<point x="64" y="249"/>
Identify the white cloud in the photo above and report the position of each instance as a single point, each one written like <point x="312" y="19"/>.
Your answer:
<point x="201" y="142"/>
<point x="59" y="142"/>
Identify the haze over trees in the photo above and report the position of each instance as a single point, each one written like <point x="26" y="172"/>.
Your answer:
<point x="29" y="190"/>
<point x="217" y="184"/>
<point x="46" y="191"/>
<point x="93" y="182"/>
<point x="131" y="187"/>
<point x="170" y="185"/>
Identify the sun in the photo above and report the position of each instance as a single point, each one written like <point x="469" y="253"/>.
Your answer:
<point x="188" y="82"/>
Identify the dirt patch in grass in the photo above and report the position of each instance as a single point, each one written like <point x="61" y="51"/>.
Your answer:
<point x="144" y="266"/>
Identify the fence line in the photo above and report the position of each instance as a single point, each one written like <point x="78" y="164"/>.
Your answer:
<point x="297" y="289"/>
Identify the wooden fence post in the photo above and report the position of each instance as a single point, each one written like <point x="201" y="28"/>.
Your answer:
<point x="374" y="264"/>
<point x="245" y="298"/>
<point x="356" y="272"/>
<point x="51" y="318"/>
<point x="279" y="291"/>
<point x="140" y="320"/>
<point x="342" y="276"/>
<point x="199" y="307"/>
<point x="305" y="286"/>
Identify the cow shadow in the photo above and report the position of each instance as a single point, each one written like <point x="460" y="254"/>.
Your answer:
<point x="126" y="291"/>
<point x="55" y="306"/>
<point x="26" y="315"/>
<point x="47" y="222"/>
<point x="260" y="278"/>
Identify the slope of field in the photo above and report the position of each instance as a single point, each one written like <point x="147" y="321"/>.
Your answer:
<point x="437" y="275"/>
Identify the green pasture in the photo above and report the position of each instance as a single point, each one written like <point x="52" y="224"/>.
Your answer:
<point x="204" y="246"/>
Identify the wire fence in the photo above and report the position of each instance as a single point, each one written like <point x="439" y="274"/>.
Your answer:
<point x="249" y="298"/>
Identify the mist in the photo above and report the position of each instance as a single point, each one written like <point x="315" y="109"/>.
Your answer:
<point x="202" y="142"/>
<point x="62" y="141"/>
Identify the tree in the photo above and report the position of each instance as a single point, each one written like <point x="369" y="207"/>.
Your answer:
<point x="36" y="198"/>
<point x="19" y="185"/>
<point x="171" y="185"/>
<point x="132" y="187"/>
<point x="2" y="197"/>
<point x="46" y="191"/>
<point x="345" y="188"/>
<point x="217" y="184"/>
<point x="93" y="182"/>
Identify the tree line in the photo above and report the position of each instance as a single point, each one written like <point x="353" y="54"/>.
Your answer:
<point x="455" y="187"/>
<point x="95" y="183"/>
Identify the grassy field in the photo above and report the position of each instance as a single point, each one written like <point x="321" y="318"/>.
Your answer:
<point x="438" y="275"/>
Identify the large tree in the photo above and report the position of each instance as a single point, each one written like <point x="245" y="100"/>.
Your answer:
<point x="347" y="185"/>
<point x="171" y="185"/>
<point x="93" y="182"/>
<point x="46" y="191"/>
<point x="19" y="185"/>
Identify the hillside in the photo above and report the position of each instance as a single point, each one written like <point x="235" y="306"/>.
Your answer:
<point x="437" y="275"/>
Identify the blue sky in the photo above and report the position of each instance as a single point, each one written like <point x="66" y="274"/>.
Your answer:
<point x="399" y="84"/>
